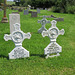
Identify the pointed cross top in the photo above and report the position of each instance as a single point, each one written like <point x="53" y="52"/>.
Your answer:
<point x="53" y="22"/>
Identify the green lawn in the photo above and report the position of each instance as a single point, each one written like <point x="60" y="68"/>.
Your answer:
<point x="36" y="64"/>
<point x="10" y="2"/>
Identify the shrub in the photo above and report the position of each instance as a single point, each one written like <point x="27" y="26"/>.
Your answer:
<point x="70" y="9"/>
<point x="57" y="9"/>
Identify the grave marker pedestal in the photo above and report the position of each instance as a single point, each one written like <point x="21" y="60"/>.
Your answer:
<point x="4" y="19"/>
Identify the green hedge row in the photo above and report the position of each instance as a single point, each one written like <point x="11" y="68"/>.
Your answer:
<point x="63" y="6"/>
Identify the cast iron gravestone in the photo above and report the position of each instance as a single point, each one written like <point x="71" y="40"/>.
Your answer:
<point x="43" y="22"/>
<point x="25" y="12"/>
<point x="13" y="18"/>
<point x="53" y="47"/>
<point x="17" y="37"/>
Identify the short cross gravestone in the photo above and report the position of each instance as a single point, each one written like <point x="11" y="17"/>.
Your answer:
<point x="17" y="37"/>
<point x="13" y="18"/>
<point x="53" y="47"/>
<point x="25" y="12"/>
<point x="43" y="22"/>
<point x="38" y="10"/>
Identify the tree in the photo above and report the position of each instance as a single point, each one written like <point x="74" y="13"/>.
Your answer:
<point x="17" y="2"/>
<point x="1" y="1"/>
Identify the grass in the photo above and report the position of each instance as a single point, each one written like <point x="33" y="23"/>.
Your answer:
<point x="10" y="2"/>
<point x="36" y="64"/>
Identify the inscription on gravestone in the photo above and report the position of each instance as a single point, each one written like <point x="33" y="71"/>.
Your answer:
<point x="17" y="37"/>
<point x="13" y="18"/>
<point x="53" y="33"/>
<point x="43" y="22"/>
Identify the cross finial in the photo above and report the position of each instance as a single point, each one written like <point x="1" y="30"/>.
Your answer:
<point x="53" y="22"/>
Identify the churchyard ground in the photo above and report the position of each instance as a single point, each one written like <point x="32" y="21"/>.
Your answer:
<point x="36" y="64"/>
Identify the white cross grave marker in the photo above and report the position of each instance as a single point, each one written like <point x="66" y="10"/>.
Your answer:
<point x="53" y="33"/>
<point x="43" y="22"/>
<point x="17" y="37"/>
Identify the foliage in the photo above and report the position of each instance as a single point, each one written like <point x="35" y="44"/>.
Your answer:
<point x="1" y="1"/>
<point x="70" y="9"/>
<point x="41" y="3"/>
<point x="64" y="6"/>
<point x="26" y="3"/>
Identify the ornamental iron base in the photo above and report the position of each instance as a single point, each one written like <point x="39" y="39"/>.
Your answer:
<point x="4" y="20"/>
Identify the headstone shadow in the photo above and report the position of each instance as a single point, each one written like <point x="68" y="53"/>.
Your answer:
<point x="4" y="57"/>
<point x="40" y="55"/>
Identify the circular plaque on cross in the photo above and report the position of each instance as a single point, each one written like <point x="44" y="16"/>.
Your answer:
<point x="17" y="36"/>
<point x="43" y="22"/>
<point x="53" y="33"/>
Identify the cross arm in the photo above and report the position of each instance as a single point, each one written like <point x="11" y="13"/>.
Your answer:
<point x="61" y="32"/>
<point x="28" y="35"/>
<point x="48" y="21"/>
<point x="45" y="33"/>
<point x="7" y="37"/>
<point x="39" y="21"/>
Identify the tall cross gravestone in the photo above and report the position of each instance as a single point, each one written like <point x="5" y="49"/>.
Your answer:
<point x="4" y="19"/>
<point x="17" y="37"/>
<point x="53" y="47"/>
<point x="43" y="22"/>
<point x="13" y="18"/>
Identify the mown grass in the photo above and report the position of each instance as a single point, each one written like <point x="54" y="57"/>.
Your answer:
<point x="36" y="64"/>
<point x="10" y="2"/>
